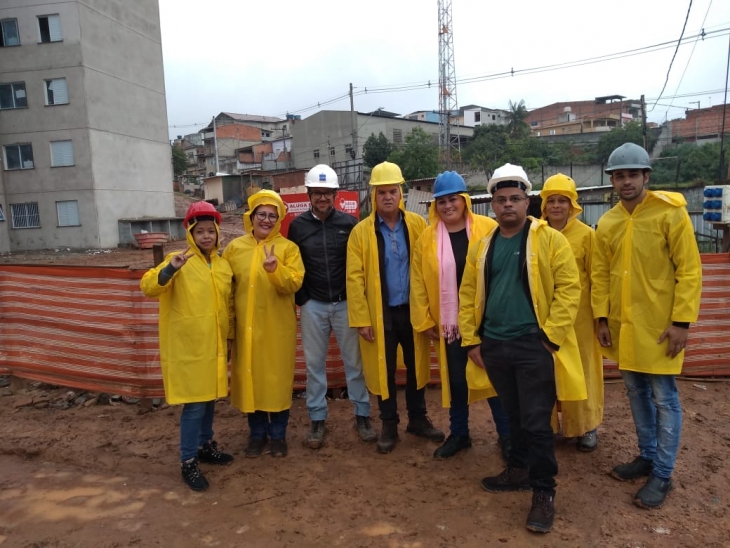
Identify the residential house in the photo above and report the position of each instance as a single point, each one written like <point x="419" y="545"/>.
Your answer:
<point x="474" y="115"/>
<point x="701" y="124"/>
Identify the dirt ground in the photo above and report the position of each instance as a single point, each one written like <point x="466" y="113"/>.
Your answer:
<point x="78" y="473"/>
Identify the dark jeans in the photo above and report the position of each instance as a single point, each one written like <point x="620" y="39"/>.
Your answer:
<point x="523" y="373"/>
<point x="401" y="333"/>
<point x="457" y="357"/>
<point x="273" y="425"/>
<point x="196" y="427"/>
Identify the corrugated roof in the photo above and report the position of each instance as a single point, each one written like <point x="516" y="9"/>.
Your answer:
<point x="252" y="117"/>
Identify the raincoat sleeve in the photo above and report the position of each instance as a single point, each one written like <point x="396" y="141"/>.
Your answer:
<point x="566" y="295"/>
<point x="149" y="284"/>
<point x="289" y="275"/>
<point x="600" y="277"/>
<point x="687" y="268"/>
<point x="467" y="299"/>
<point x="420" y="310"/>
<point x="357" y="304"/>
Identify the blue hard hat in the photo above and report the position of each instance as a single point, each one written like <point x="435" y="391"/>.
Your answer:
<point x="448" y="182"/>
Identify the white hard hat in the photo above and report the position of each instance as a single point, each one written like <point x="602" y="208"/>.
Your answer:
<point x="509" y="173"/>
<point x="321" y="176"/>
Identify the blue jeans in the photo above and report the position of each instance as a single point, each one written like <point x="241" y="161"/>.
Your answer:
<point x="196" y="427"/>
<point x="657" y="413"/>
<point x="318" y="320"/>
<point x="457" y="357"/>
<point x="264" y="424"/>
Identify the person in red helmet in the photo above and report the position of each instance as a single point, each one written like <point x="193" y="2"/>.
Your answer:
<point x="196" y="311"/>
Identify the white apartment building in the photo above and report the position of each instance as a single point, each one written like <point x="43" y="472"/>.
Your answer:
<point x="83" y="122"/>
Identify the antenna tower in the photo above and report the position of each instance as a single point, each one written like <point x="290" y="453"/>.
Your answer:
<point x="449" y="144"/>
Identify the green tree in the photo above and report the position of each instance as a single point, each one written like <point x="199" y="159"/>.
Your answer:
<point x="516" y="125"/>
<point x="688" y="163"/>
<point x="376" y="149"/>
<point x="629" y="133"/>
<point x="487" y="148"/>
<point x="419" y="156"/>
<point x="179" y="161"/>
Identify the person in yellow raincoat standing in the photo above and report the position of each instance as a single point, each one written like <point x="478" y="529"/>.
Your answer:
<point x="560" y="209"/>
<point x="196" y="315"/>
<point x="379" y="254"/>
<point x="647" y="282"/>
<point x="517" y="305"/>
<point x="268" y="271"/>
<point x="438" y="266"/>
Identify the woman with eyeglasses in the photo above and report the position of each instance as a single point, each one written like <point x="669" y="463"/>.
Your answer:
<point x="438" y="265"/>
<point x="267" y="271"/>
<point x="560" y="208"/>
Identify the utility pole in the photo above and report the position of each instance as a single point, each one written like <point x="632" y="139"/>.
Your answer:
<point x="643" y="120"/>
<point x="353" y="121"/>
<point x="215" y="146"/>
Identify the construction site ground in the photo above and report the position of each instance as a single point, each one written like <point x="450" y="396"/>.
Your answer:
<point x="89" y="470"/>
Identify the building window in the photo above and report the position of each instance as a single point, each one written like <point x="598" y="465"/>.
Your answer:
<point x="56" y="92"/>
<point x="25" y="215"/>
<point x="68" y="213"/>
<point x="13" y="96"/>
<point x="332" y="151"/>
<point x="348" y="150"/>
<point x="9" y="33"/>
<point x="18" y="156"/>
<point x="494" y="117"/>
<point x="49" y="27"/>
<point x="397" y="135"/>
<point x="62" y="153"/>
<point x="316" y="153"/>
<point x="477" y="117"/>
<point x="552" y="132"/>
<point x="2" y="214"/>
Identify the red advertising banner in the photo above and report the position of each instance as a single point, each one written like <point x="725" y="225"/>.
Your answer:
<point x="345" y="200"/>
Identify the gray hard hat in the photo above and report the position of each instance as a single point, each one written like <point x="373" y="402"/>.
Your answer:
<point x="628" y="156"/>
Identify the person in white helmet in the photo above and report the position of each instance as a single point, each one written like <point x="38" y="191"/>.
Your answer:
<point x="322" y="234"/>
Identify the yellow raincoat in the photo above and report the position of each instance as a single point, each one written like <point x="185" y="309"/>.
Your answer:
<point x="646" y="274"/>
<point x="555" y="289"/>
<point x="196" y="313"/>
<point x="425" y="299"/>
<point x="579" y="417"/>
<point x="365" y="300"/>
<point x="262" y="376"/>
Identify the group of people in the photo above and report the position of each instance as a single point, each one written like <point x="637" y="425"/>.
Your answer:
<point x="519" y="310"/>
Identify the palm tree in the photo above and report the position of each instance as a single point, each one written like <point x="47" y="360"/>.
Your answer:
<point x="517" y="127"/>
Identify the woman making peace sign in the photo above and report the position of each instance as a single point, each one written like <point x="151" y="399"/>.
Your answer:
<point x="268" y="270"/>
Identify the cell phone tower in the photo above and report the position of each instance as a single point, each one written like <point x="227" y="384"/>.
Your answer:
<point x="448" y="105"/>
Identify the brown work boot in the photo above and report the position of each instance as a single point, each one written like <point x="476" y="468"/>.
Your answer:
<point x="388" y="437"/>
<point x="541" y="516"/>
<point x="510" y="479"/>
<point x="421" y="425"/>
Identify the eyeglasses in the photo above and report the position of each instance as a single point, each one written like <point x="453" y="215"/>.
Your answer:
<point x="512" y="199"/>
<point x="262" y="216"/>
<point x="316" y="194"/>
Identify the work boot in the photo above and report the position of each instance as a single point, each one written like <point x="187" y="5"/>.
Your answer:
<point x="315" y="436"/>
<point x="541" y="516"/>
<point x="365" y="429"/>
<point x="510" y="479"/>
<point x="587" y="442"/>
<point x="505" y="446"/>
<point x="192" y="475"/>
<point x="654" y="492"/>
<point x="209" y="454"/>
<point x="256" y="447"/>
<point x="279" y="448"/>
<point x="420" y="425"/>
<point x="635" y="469"/>
<point x="451" y="446"/>
<point x="388" y="437"/>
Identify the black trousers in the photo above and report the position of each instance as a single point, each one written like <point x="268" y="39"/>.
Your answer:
<point x="522" y="371"/>
<point x="401" y="334"/>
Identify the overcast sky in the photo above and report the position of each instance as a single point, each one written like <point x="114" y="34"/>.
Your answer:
<point x="282" y="56"/>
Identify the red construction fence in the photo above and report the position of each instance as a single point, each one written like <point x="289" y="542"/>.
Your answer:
<point x="91" y="328"/>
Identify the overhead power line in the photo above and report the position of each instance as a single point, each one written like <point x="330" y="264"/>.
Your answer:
<point x="686" y="18"/>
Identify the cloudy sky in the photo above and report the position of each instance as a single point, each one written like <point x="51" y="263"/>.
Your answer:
<point x="283" y="56"/>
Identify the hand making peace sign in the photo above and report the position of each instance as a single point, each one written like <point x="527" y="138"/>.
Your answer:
<point x="270" y="262"/>
<point x="180" y="259"/>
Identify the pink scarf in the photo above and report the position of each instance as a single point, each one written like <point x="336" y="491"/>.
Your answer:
<point x="449" y="289"/>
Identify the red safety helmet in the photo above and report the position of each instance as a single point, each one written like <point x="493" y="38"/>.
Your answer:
<point x="201" y="209"/>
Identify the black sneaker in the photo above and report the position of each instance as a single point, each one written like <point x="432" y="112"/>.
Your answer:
<point x="192" y="475"/>
<point x="510" y="479"/>
<point x="209" y="454"/>
<point x="315" y="436"/>
<point x="279" y="448"/>
<point x="541" y="516"/>
<point x="421" y="426"/>
<point x="365" y="429"/>
<point x="451" y="446"/>
<point x="256" y="447"/>
<point x="654" y="492"/>
<point x="637" y="468"/>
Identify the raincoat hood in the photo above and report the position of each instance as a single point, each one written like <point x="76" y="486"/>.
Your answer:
<point x="401" y="204"/>
<point x="433" y="216"/>
<point x="194" y="247"/>
<point x="264" y="197"/>
<point x="564" y="186"/>
<point x="672" y="198"/>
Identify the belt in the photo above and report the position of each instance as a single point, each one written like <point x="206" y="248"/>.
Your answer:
<point x="339" y="297"/>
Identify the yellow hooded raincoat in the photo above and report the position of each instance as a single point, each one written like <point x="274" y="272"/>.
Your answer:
<point x="579" y="417"/>
<point x="365" y="300"/>
<point x="196" y="316"/>
<point x="646" y="274"/>
<point x="262" y="377"/>
<point x="555" y="289"/>
<point x="425" y="299"/>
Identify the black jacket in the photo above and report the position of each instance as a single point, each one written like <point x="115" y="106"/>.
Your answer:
<point x="323" y="245"/>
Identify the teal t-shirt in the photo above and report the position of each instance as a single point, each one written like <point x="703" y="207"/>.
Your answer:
<point x="508" y="313"/>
